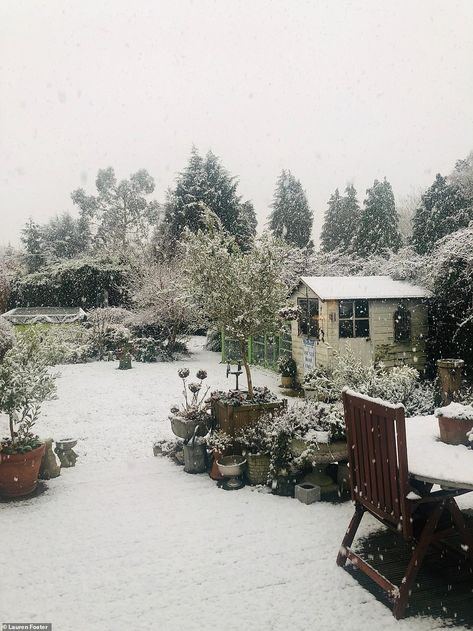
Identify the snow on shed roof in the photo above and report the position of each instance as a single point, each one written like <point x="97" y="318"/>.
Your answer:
<point x="40" y="315"/>
<point x="345" y="287"/>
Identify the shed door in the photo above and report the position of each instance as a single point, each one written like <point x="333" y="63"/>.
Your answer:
<point x="354" y="328"/>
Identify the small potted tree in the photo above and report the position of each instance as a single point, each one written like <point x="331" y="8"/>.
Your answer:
<point x="241" y="294"/>
<point x="25" y="383"/>
<point x="288" y="369"/>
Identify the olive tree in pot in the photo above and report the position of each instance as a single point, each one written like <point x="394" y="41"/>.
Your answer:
<point x="25" y="383"/>
<point x="239" y="293"/>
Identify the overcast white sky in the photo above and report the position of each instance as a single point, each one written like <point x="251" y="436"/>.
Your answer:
<point x="334" y="91"/>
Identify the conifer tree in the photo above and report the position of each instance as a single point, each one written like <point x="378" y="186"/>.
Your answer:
<point x="443" y="210"/>
<point x="246" y="229"/>
<point x="349" y="217"/>
<point x="33" y="242"/>
<point x="330" y="237"/>
<point x="205" y="184"/>
<point x="377" y="230"/>
<point x="341" y="216"/>
<point x="291" y="218"/>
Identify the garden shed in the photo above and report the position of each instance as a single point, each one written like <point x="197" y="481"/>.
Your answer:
<point x="376" y="317"/>
<point x="45" y="315"/>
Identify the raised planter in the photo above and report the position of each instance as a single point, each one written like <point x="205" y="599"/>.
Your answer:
<point x="232" y="418"/>
<point x="325" y="454"/>
<point x="19" y="472"/>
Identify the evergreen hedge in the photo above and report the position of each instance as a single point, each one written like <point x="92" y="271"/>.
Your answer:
<point x="86" y="282"/>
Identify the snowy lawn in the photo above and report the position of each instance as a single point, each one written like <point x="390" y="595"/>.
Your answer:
<point x="128" y="541"/>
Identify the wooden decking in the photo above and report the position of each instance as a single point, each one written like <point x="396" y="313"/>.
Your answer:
<point x="444" y="586"/>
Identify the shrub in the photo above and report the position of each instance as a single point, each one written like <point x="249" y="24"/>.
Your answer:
<point x="62" y="343"/>
<point x="7" y="337"/>
<point x="82" y="282"/>
<point x="397" y="385"/>
<point x="101" y="322"/>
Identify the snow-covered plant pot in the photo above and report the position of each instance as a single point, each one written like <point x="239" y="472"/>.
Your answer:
<point x="450" y="377"/>
<point x="184" y="428"/>
<point x="25" y="383"/>
<point x="192" y="418"/>
<point x="455" y="423"/>
<point x="258" y="468"/>
<point x="219" y="444"/>
<point x="19" y="472"/>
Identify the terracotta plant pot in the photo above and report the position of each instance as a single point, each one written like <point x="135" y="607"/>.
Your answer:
<point x="215" y="471"/>
<point x="453" y="431"/>
<point x="286" y="382"/>
<point x="19" y="472"/>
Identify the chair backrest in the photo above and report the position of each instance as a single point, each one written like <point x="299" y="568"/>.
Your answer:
<point x="377" y="455"/>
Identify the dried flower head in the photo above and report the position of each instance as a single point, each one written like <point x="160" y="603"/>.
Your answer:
<point x="201" y="374"/>
<point x="183" y="372"/>
<point x="174" y="409"/>
<point x="194" y="387"/>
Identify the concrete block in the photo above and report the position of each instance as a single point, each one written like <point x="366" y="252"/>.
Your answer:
<point x="307" y="493"/>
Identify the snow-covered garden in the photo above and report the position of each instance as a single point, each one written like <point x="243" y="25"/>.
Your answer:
<point x="126" y="539"/>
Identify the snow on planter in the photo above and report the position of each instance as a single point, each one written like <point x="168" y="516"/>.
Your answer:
<point x="456" y="411"/>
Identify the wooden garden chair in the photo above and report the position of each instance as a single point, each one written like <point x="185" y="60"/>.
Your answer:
<point x="379" y="480"/>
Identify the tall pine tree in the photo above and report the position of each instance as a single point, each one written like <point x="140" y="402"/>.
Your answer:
<point x="291" y="218"/>
<point x="330" y="237"/>
<point x="377" y="230"/>
<point x="33" y="242"/>
<point x="443" y="210"/>
<point x="342" y="214"/>
<point x="205" y="183"/>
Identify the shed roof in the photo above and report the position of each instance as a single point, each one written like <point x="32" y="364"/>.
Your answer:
<point x="41" y="315"/>
<point x="374" y="287"/>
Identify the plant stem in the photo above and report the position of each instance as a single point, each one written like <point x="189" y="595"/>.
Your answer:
<point x="247" y="368"/>
<point x="12" y="432"/>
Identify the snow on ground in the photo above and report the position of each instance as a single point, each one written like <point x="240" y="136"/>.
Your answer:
<point x="128" y="541"/>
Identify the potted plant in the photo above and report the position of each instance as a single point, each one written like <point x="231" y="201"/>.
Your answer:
<point x="455" y="423"/>
<point x="255" y="442"/>
<point x="25" y="383"/>
<point x="192" y="421"/>
<point x="240" y="292"/>
<point x="220" y="444"/>
<point x="288" y="370"/>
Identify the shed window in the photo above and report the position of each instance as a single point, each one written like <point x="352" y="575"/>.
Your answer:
<point x="354" y="318"/>
<point x="309" y="320"/>
<point x="402" y="324"/>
